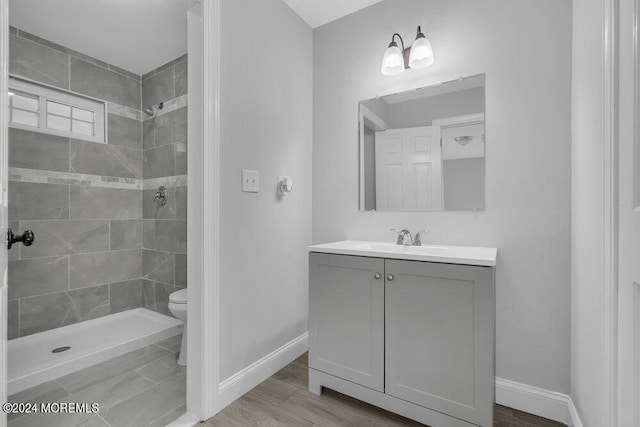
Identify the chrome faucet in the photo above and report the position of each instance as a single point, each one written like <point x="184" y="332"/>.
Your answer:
<point x="405" y="239"/>
<point x="418" y="239"/>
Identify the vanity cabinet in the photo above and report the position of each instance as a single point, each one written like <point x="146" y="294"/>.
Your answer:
<point x="347" y="301"/>
<point x="413" y="337"/>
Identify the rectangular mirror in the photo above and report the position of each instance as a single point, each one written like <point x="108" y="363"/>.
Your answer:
<point x="424" y="149"/>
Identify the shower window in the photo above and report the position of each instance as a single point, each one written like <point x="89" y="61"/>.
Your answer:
<point x="42" y="109"/>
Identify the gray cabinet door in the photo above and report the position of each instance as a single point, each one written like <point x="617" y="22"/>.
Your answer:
<point x="346" y="318"/>
<point x="439" y="337"/>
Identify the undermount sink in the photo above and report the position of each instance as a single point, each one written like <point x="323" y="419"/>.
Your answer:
<point x="433" y="253"/>
<point x="419" y="250"/>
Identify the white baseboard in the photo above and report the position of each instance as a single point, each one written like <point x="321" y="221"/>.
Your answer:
<point x="544" y="403"/>
<point x="534" y="400"/>
<point x="241" y="382"/>
<point x="574" y="418"/>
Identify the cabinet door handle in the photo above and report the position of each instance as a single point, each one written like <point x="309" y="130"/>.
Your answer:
<point x="390" y="277"/>
<point x="377" y="276"/>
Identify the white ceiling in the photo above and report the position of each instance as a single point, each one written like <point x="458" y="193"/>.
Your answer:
<point x="320" y="12"/>
<point x="135" y="35"/>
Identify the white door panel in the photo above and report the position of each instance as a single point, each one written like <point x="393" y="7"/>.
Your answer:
<point x="409" y="169"/>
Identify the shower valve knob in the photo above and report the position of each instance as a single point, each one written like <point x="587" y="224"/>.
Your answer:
<point x="27" y="238"/>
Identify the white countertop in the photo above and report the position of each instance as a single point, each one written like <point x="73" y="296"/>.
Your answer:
<point x="433" y="253"/>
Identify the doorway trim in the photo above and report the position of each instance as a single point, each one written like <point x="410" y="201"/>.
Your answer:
<point x="4" y="164"/>
<point x="203" y="223"/>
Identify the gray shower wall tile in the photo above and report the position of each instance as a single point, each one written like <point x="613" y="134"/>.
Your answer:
<point x="126" y="234"/>
<point x="148" y="294"/>
<point x="148" y="134"/>
<point x="104" y="203"/>
<point x="104" y="267"/>
<point x="89" y="303"/>
<point x="171" y="128"/>
<point x="13" y="324"/>
<point x="124" y="72"/>
<point x="181" y="83"/>
<point x="38" y="201"/>
<point x="39" y="63"/>
<point x="158" y="266"/>
<point x="181" y="202"/>
<point x="125" y="295"/>
<point x="158" y="162"/>
<point x="180" y="160"/>
<point x="54" y="238"/>
<point x="165" y="235"/>
<point x="152" y="210"/>
<point x="100" y="83"/>
<point x="45" y="312"/>
<point x="180" y="244"/>
<point x="35" y="150"/>
<point x="163" y="291"/>
<point x="124" y="132"/>
<point x="104" y="159"/>
<point x="158" y="88"/>
<point x="62" y="49"/>
<point x="171" y="63"/>
<point x="181" y="270"/>
<point x="14" y="252"/>
<point x="37" y="276"/>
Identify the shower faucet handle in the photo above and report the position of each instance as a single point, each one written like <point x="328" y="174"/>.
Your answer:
<point x="27" y="238"/>
<point x="161" y="196"/>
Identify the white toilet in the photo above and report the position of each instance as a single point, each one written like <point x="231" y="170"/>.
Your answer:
<point x="178" y="307"/>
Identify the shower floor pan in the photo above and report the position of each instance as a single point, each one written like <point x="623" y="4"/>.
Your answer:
<point x="31" y="360"/>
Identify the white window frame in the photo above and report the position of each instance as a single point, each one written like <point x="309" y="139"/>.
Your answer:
<point x="44" y="94"/>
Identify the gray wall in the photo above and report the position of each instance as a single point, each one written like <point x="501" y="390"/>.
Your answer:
<point x="266" y="124"/>
<point x="588" y="221"/>
<point x="528" y="179"/>
<point x="82" y="199"/>
<point x="164" y="232"/>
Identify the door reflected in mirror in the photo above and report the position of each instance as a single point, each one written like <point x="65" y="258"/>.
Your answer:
<point x="424" y="149"/>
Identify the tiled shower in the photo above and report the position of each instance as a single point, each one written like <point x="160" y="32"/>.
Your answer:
<point x="103" y="245"/>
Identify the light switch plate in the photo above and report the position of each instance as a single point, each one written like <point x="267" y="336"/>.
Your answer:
<point x="250" y="181"/>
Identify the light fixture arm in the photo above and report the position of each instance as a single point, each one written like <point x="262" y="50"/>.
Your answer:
<point x="393" y="41"/>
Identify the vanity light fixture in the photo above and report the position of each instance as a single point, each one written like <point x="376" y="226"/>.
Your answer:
<point x="419" y="55"/>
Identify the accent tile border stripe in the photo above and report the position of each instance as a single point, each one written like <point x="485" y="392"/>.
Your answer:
<point x="169" y="106"/>
<point x="168" y="181"/>
<point x="69" y="178"/>
<point x="121" y="110"/>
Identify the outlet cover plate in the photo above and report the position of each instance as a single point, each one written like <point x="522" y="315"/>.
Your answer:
<point x="250" y="181"/>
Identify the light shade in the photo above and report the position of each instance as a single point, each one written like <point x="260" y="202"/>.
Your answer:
<point x="421" y="52"/>
<point x="393" y="61"/>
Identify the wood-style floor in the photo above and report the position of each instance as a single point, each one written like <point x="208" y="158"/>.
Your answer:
<point x="284" y="400"/>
